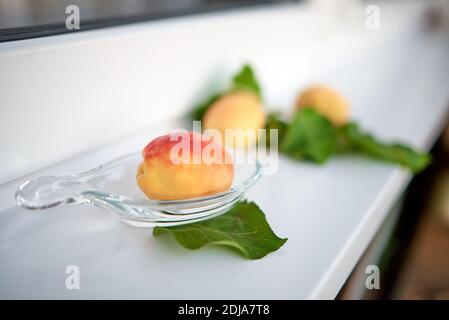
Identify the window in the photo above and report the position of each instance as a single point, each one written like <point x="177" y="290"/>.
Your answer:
<point x="22" y="19"/>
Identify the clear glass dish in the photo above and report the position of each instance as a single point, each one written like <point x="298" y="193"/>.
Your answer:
<point x="113" y="186"/>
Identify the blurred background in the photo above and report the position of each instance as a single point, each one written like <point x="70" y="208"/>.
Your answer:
<point x="412" y="247"/>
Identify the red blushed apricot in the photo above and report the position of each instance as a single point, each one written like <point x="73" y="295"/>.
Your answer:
<point x="168" y="173"/>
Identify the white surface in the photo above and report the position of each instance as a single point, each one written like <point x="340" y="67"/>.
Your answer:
<point x="399" y="85"/>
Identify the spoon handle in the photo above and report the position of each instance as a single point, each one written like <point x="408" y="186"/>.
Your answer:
<point x="49" y="191"/>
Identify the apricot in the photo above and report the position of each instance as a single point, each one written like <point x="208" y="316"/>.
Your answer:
<point x="184" y="166"/>
<point x="241" y="111"/>
<point x="326" y="101"/>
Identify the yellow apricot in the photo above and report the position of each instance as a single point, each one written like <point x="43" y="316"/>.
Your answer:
<point x="240" y="111"/>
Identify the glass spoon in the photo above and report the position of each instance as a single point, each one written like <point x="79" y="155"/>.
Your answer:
<point x="112" y="186"/>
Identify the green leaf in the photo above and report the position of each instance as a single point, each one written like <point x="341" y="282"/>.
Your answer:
<point x="310" y="135"/>
<point x="398" y="153"/>
<point x="244" y="228"/>
<point x="246" y="80"/>
<point x="199" y="110"/>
